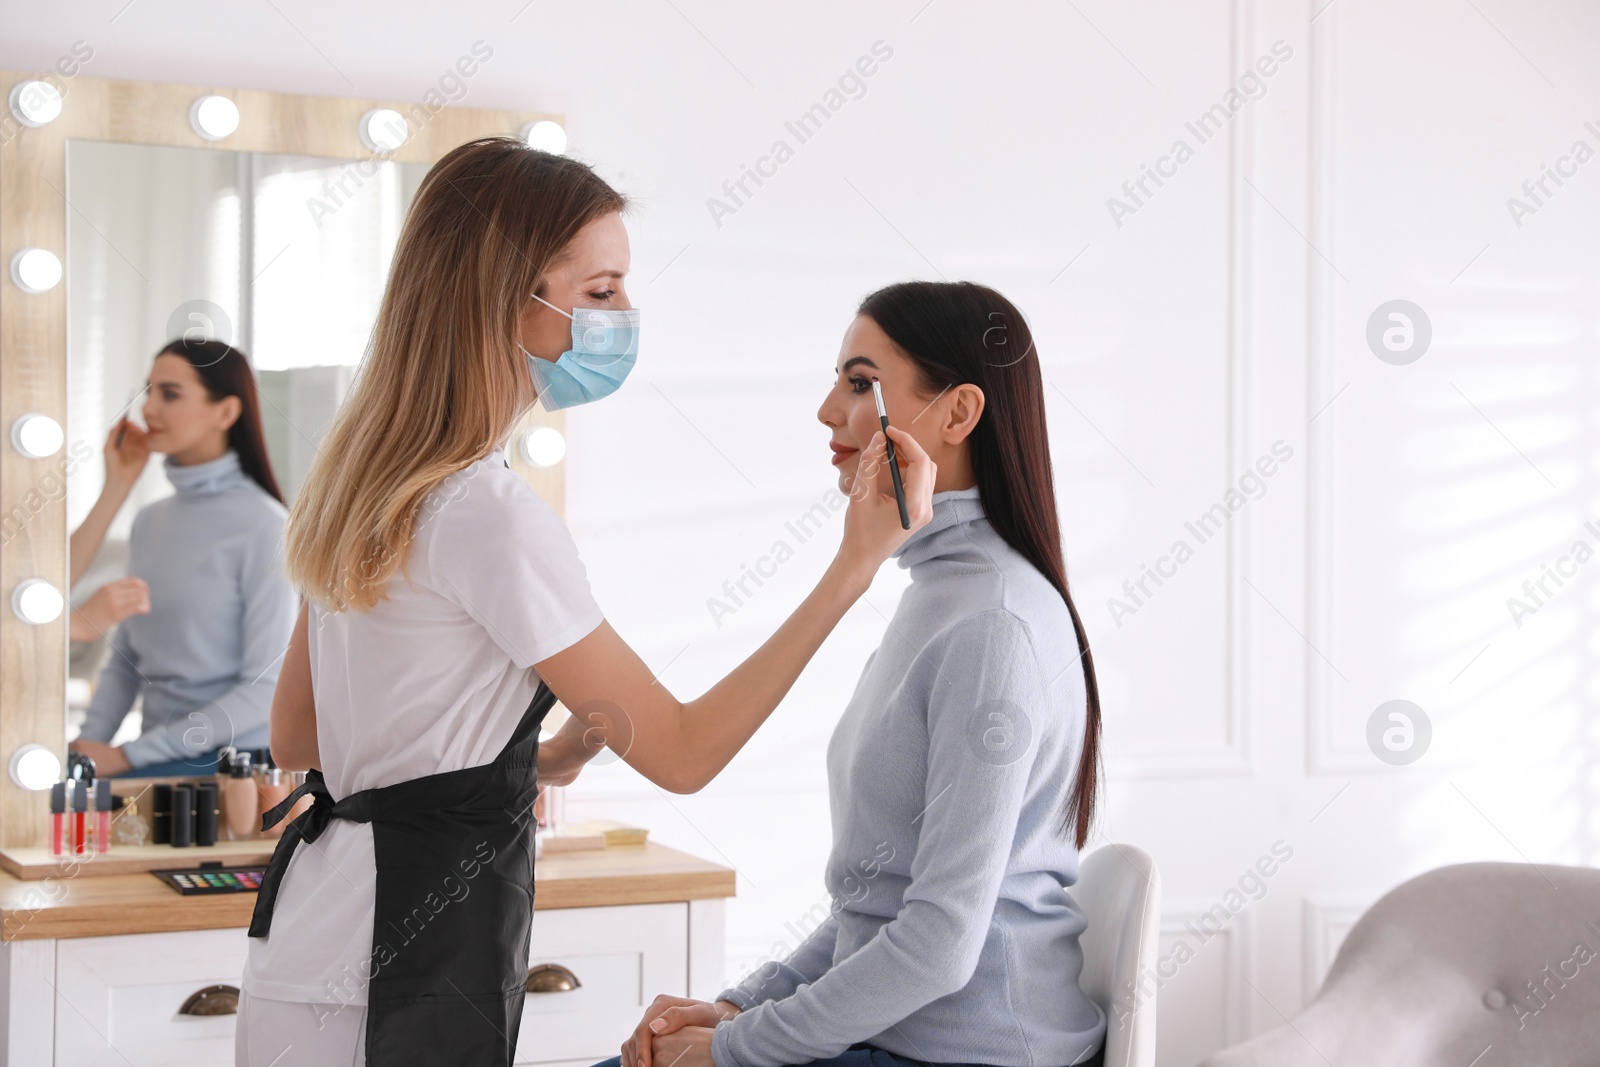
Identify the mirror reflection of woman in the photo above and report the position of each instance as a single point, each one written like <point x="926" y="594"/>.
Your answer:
<point x="205" y="655"/>
<point x="126" y="452"/>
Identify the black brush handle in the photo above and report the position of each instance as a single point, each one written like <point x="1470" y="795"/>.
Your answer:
<point x="894" y="475"/>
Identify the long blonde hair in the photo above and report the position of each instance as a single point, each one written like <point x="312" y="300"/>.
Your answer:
<point x="441" y="382"/>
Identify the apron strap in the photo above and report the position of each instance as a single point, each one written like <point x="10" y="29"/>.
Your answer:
<point x="308" y="826"/>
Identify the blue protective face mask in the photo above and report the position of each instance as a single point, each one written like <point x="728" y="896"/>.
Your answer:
<point x="605" y="344"/>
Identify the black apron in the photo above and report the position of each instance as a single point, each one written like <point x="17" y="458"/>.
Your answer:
<point x="454" y="856"/>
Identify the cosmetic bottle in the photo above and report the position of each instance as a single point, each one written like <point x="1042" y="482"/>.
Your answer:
<point x="129" y="825"/>
<point x="80" y="810"/>
<point x="205" y="813"/>
<point x="224" y="768"/>
<point x="102" y="814"/>
<point x="58" y="818"/>
<point x="274" y="787"/>
<point x="182" y="816"/>
<point x="239" y="798"/>
<point x="161" y="813"/>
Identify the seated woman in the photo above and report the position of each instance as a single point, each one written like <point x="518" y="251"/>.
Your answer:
<point x="962" y="773"/>
<point x="206" y="655"/>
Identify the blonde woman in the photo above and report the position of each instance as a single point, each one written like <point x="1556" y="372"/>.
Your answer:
<point x="445" y="610"/>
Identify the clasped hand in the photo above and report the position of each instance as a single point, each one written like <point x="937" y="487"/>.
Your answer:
<point x="675" y="1032"/>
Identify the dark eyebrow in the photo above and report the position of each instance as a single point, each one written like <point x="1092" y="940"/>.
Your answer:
<point x="855" y="360"/>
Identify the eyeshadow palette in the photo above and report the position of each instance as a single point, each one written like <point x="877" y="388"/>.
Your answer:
<point x="195" y="880"/>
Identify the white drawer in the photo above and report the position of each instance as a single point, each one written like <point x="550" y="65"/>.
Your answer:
<point x="622" y="956"/>
<point x="125" y="991"/>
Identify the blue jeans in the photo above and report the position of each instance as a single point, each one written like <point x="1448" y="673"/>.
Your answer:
<point x="862" y="1054"/>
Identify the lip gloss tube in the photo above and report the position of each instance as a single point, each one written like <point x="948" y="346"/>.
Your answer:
<point x="102" y="815"/>
<point x="58" y="813"/>
<point x="80" y="805"/>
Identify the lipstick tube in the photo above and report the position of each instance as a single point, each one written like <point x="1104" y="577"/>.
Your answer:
<point x="102" y="815"/>
<point x="80" y="806"/>
<point x="58" y="818"/>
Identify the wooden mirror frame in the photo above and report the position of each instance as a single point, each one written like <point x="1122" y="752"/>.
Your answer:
<point x="33" y="342"/>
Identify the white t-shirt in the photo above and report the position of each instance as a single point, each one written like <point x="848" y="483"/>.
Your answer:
<point x="435" y="678"/>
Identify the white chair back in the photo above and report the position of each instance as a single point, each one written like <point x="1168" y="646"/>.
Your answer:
<point x="1119" y="890"/>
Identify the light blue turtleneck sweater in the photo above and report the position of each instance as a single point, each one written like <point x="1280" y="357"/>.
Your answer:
<point x="206" y="657"/>
<point x="951" y="936"/>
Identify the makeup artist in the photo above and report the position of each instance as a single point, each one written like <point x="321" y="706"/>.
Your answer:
<point x="446" y="609"/>
<point x="205" y="656"/>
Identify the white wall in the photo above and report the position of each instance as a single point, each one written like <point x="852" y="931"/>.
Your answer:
<point x="1228" y="312"/>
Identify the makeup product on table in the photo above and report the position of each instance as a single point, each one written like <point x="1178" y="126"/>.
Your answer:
<point x="161" y="814"/>
<point x="207" y="879"/>
<point x="102" y="814"/>
<point x="205" y="813"/>
<point x="58" y="818"/>
<point x="224" y="770"/>
<point x="80" y="811"/>
<point x="274" y="788"/>
<point x="240" y="800"/>
<point x="894" y="467"/>
<point x="129" y="825"/>
<point x="182" y="816"/>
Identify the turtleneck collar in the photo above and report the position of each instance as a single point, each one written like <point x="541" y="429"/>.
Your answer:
<point x="213" y="476"/>
<point x="951" y="509"/>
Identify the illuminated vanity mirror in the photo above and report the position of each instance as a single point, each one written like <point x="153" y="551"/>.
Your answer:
<point x="282" y="257"/>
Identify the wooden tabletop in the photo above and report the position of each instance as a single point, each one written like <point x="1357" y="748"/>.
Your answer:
<point x="94" y="906"/>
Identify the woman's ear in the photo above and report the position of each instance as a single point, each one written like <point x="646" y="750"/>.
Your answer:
<point x="963" y="405"/>
<point x="232" y="408"/>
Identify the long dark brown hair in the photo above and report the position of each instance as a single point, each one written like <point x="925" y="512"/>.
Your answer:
<point x="959" y="333"/>
<point x="225" y="372"/>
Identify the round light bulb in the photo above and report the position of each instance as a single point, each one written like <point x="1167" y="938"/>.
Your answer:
<point x="35" y="767"/>
<point x="546" y="136"/>
<point x="37" y="436"/>
<point x="384" y="129"/>
<point x="36" y="270"/>
<point x="214" y="117"/>
<point x="35" y="102"/>
<point x="543" y="446"/>
<point x="37" y="601"/>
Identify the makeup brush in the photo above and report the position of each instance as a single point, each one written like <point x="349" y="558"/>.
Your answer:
<point x="894" y="468"/>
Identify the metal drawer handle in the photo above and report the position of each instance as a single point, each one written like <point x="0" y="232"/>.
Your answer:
<point x="212" y="1000"/>
<point x="551" y="978"/>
